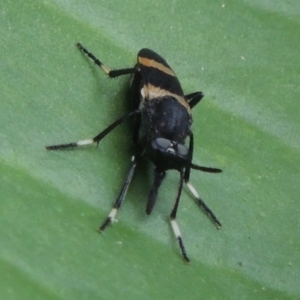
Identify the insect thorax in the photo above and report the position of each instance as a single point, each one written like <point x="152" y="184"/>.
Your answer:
<point x="168" y="121"/>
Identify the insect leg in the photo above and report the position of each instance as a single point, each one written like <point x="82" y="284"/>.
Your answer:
<point x="107" y="70"/>
<point x="98" y="137"/>
<point x="190" y="155"/>
<point x="187" y="172"/>
<point x="193" y="166"/>
<point x="201" y="203"/>
<point x="112" y="215"/>
<point x="158" y="178"/>
<point x="194" y="98"/>
<point x="174" y="223"/>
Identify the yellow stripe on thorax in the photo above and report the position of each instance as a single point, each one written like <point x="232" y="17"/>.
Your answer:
<point x="154" y="64"/>
<point x="150" y="92"/>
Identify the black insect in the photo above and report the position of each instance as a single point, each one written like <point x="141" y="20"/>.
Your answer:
<point x="162" y="118"/>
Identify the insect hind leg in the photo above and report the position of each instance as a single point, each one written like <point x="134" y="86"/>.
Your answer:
<point x="107" y="70"/>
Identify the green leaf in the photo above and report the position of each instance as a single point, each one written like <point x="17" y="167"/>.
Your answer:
<point x="244" y="56"/>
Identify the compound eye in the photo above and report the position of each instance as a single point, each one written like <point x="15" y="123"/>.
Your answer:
<point x="160" y="144"/>
<point x="182" y="150"/>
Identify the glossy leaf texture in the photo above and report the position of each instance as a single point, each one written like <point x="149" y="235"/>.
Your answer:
<point x="244" y="56"/>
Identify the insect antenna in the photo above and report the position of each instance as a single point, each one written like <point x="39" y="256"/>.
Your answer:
<point x="205" y="169"/>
